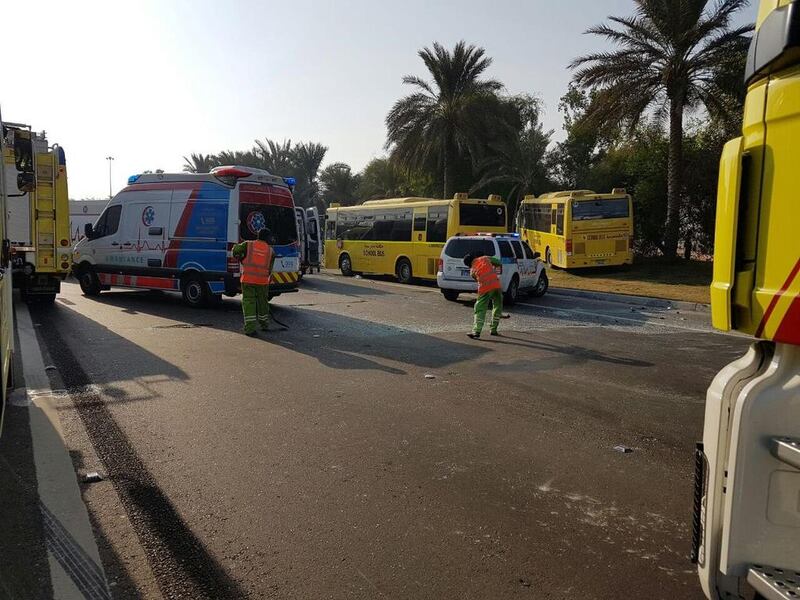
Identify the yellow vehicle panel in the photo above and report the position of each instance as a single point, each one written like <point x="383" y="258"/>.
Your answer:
<point x="756" y="285"/>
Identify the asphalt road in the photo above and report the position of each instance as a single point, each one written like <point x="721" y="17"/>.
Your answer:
<point x="373" y="451"/>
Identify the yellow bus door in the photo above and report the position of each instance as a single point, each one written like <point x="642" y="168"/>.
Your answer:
<point x="419" y="236"/>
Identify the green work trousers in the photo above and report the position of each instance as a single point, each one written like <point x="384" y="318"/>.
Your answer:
<point x="255" y="307"/>
<point x="482" y="303"/>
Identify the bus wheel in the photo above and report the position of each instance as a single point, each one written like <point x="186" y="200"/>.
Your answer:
<point x="512" y="292"/>
<point x="548" y="258"/>
<point x="403" y="271"/>
<point x="541" y="286"/>
<point x="346" y="265"/>
<point x="194" y="291"/>
<point x="90" y="284"/>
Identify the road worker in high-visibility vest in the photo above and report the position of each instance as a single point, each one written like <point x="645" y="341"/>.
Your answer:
<point x="483" y="269"/>
<point x="257" y="258"/>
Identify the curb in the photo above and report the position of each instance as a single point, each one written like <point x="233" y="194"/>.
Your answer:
<point x="76" y="570"/>
<point x="630" y="299"/>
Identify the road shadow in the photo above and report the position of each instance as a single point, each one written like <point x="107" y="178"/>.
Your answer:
<point x="328" y="286"/>
<point x="182" y="565"/>
<point x="342" y="342"/>
<point x="576" y="352"/>
<point x="123" y="359"/>
<point x="335" y="340"/>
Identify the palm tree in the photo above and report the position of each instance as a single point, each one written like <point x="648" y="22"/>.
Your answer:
<point x="448" y="118"/>
<point x="670" y="58"/>
<point x="237" y="157"/>
<point x="307" y="158"/>
<point x="339" y="184"/>
<point x="199" y="163"/>
<point x="518" y="161"/>
<point x="276" y="157"/>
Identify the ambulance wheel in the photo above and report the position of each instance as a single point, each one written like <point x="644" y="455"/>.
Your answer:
<point x="403" y="271"/>
<point x="541" y="286"/>
<point x="194" y="291"/>
<point x="89" y="282"/>
<point x="512" y="292"/>
<point x="451" y="295"/>
<point x="346" y="265"/>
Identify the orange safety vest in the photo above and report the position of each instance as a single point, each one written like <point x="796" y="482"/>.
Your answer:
<point x="256" y="263"/>
<point x="484" y="271"/>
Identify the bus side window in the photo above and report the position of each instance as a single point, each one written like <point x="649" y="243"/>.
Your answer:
<point x="560" y="220"/>
<point x="437" y="224"/>
<point x="330" y="229"/>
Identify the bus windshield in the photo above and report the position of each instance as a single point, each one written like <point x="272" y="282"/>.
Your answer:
<point x="482" y="215"/>
<point x="600" y="209"/>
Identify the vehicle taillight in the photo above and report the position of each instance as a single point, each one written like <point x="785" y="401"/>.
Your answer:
<point x="569" y="247"/>
<point x="232" y="261"/>
<point x="440" y="265"/>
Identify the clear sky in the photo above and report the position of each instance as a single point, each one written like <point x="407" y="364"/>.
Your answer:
<point x="148" y="82"/>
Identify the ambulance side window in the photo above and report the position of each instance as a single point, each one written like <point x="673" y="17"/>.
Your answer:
<point x="108" y="223"/>
<point x="518" y="249"/>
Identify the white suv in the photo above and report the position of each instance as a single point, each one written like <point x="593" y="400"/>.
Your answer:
<point x="521" y="271"/>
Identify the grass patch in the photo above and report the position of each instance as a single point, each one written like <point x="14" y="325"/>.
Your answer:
<point x="679" y="280"/>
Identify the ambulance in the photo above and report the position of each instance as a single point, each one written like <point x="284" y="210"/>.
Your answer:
<point x="176" y="232"/>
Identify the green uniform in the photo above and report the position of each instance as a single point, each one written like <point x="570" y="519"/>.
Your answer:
<point x="255" y="304"/>
<point x="482" y="304"/>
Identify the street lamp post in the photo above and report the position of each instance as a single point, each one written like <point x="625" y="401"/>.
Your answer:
<point x="109" y="159"/>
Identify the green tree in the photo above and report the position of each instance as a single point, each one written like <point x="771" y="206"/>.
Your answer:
<point x="277" y="158"/>
<point x="671" y="57"/>
<point x="246" y="158"/>
<point x="307" y="158"/>
<point x="339" y="184"/>
<point x="518" y="161"/>
<point x="447" y="119"/>
<point x="383" y="178"/>
<point x="199" y="163"/>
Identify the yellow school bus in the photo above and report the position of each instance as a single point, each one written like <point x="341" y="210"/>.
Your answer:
<point x="404" y="236"/>
<point x="579" y="228"/>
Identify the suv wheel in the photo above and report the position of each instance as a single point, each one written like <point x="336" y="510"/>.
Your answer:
<point x="451" y="295"/>
<point x="541" y="286"/>
<point x="512" y="292"/>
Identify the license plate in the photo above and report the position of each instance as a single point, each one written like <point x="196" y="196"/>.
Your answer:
<point x="465" y="272"/>
<point x="600" y="262"/>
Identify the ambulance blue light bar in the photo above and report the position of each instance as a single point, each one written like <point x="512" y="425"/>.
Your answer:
<point x="290" y="181"/>
<point x="133" y="178"/>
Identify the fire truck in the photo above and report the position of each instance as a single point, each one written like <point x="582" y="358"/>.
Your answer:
<point x="747" y="483"/>
<point x="6" y="311"/>
<point x="37" y="212"/>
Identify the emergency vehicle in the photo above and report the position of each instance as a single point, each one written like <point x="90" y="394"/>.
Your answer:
<point x="747" y="486"/>
<point x="37" y="212"/>
<point x="521" y="271"/>
<point x="309" y="230"/>
<point x="176" y="232"/>
<point x="6" y="309"/>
